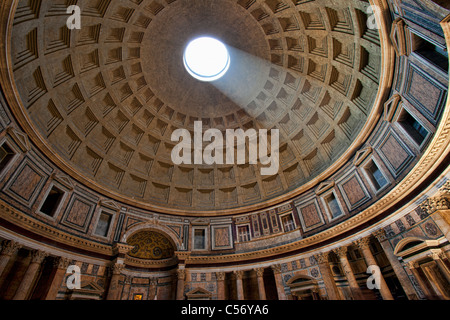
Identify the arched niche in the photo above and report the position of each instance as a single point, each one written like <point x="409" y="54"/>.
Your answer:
<point x="411" y="245"/>
<point x="150" y="245"/>
<point x="165" y="231"/>
<point x="304" y="287"/>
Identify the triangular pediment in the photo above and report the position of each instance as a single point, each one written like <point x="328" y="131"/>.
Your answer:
<point x="198" y="292"/>
<point x="361" y="155"/>
<point x="64" y="180"/>
<point x="324" y="186"/>
<point x="20" y="138"/>
<point x="200" y="221"/>
<point x="110" y="205"/>
<point x="391" y="106"/>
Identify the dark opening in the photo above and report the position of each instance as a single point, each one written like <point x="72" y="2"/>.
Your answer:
<point x="52" y="201"/>
<point x="415" y="130"/>
<point x="375" y="175"/>
<point x="333" y="205"/>
<point x="431" y="52"/>
<point x="6" y="154"/>
<point x="103" y="224"/>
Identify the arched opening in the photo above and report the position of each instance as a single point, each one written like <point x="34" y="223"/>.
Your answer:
<point x="150" y="245"/>
<point x="304" y="288"/>
<point x="427" y="263"/>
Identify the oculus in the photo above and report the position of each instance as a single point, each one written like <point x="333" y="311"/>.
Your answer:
<point x="206" y="59"/>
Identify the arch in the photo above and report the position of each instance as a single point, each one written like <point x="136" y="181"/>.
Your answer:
<point x="412" y="244"/>
<point x="148" y="226"/>
<point x="301" y="280"/>
<point x="304" y="287"/>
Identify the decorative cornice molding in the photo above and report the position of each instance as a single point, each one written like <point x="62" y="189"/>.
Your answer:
<point x="31" y="224"/>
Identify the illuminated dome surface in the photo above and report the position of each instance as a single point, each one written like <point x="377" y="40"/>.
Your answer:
<point x="113" y="95"/>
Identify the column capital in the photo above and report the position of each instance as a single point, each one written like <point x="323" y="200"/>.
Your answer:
<point x="62" y="263"/>
<point x="341" y="252"/>
<point x="436" y="254"/>
<point x="38" y="256"/>
<point x="442" y="203"/>
<point x="362" y="243"/>
<point x="428" y="206"/>
<point x="181" y="274"/>
<point x="380" y="234"/>
<point x="10" y="247"/>
<point x="412" y="265"/>
<point x="322" y="257"/>
<point x="117" y="268"/>
<point x="128" y="279"/>
<point x="239" y="274"/>
<point x="276" y="268"/>
<point x="259" y="271"/>
<point x="220" y="276"/>
<point x="153" y="281"/>
<point x="445" y="188"/>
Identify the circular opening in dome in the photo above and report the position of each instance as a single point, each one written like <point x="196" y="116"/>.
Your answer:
<point x="206" y="59"/>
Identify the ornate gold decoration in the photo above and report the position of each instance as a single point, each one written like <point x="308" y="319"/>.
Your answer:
<point x="150" y="245"/>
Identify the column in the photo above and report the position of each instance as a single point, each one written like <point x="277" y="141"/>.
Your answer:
<point x="239" y="286"/>
<point x="396" y="265"/>
<point x="126" y="287"/>
<point x="327" y="276"/>
<point x="37" y="257"/>
<point x="279" y="281"/>
<point x="363" y="245"/>
<point x="114" y="286"/>
<point x="119" y="250"/>
<point x="261" y="288"/>
<point x="439" y="209"/>
<point x="427" y="291"/>
<point x="154" y="288"/>
<point x="220" y="276"/>
<point x="436" y="255"/>
<point x="181" y="275"/>
<point x="61" y="266"/>
<point x="353" y="284"/>
<point x="9" y="250"/>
